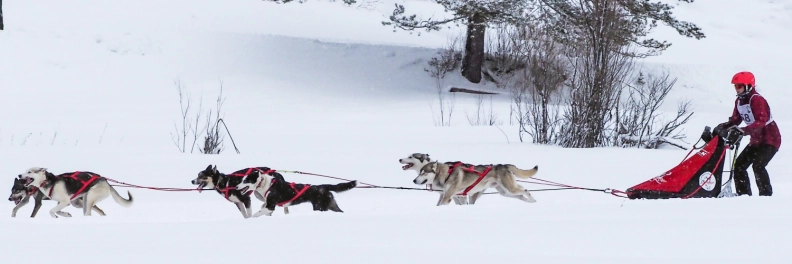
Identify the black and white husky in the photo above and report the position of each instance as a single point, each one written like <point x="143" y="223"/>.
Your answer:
<point x="67" y="187"/>
<point x="20" y="195"/>
<point x="271" y="185"/>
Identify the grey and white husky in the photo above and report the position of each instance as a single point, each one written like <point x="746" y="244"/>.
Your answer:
<point x="474" y="180"/>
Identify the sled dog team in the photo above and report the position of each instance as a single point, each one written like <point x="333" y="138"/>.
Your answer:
<point x="461" y="182"/>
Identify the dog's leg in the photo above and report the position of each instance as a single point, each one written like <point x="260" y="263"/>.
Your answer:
<point x="259" y="196"/>
<point x="21" y="203"/>
<point x="334" y="206"/>
<point x="264" y="211"/>
<point x="448" y="194"/>
<point x="88" y="202"/>
<point x="451" y="188"/>
<point x="502" y="191"/>
<point x="516" y="190"/>
<point x="475" y="197"/>
<point x="460" y="200"/>
<point x="263" y="207"/>
<point x="241" y="208"/>
<point x="97" y="194"/>
<point x="99" y="211"/>
<point x="57" y="209"/>
<point x="248" y="210"/>
<point x="286" y="209"/>
<point x="37" y="203"/>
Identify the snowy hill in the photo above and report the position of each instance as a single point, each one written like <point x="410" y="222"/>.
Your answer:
<point x="323" y="88"/>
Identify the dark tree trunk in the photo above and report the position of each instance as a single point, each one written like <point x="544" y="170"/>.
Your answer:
<point x="1" y="15"/>
<point x="474" y="48"/>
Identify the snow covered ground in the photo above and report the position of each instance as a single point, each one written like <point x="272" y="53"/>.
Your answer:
<point x="323" y="88"/>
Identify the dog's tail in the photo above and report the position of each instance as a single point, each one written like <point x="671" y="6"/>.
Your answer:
<point x="346" y="186"/>
<point x="522" y="174"/>
<point x="120" y="200"/>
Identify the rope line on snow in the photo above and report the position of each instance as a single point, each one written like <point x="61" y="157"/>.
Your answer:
<point x="124" y="184"/>
<point x="550" y="183"/>
<point x="373" y="186"/>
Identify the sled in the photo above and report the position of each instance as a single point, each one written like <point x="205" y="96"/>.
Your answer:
<point x="698" y="175"/>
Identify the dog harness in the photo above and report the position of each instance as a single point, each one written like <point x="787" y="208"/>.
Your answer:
<point x="481" y="177"/>
<point x="226" y="191"/>
<point x="450" y="169"/>
<point x="74" y="176"/>
<point x="470" y="169"/>
<point x="32" y="191"/>
<point x="299" y="193"/>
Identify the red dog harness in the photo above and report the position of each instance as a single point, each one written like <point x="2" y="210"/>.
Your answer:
<point x="450" y="169"/>
<point x="74" y="176"/>
<point x="481" y="177"/>
<point x="227" y="189"/>
<point x="299" y="193"/>
<point x="469" y="169"/>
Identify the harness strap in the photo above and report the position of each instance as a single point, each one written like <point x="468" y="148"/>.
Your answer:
<point x="227" y="192"/>
<point x="299" y="193"/>
<point x="450" y="169"/>
<point x="227" y="189"/>
<point x="243" y="174"/>
<point x="32" y="191"/>
<point x="481" y="177"/>
<point x="85" y="184"/>
<point x="73" y="176"/>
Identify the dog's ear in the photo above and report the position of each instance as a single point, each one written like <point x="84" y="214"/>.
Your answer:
<point x="42" y="170"/>
<point x="209" y="167"/>
<point x="214" y="169"/>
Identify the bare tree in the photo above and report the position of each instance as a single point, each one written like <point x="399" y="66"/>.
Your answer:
<point x="483" y="116"/>
<point x="600" y="63"/>
<point x="537" y="89"/>
<point x="446" y="60"/>
<point x="638" y="117"/>
<point x="179" y="136"/>
<point x="191" y="128"/>
<point x="213" y="140"/>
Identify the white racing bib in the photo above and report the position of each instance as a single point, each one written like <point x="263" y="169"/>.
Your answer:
<point x="747" y="114"/>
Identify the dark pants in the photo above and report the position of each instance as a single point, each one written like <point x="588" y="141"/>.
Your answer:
<point x="759" y="156"/>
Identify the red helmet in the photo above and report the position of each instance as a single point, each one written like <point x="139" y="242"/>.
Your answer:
<point x="745" y="77"/>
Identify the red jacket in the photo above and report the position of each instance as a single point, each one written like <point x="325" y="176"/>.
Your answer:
<point x="760" y="130"/>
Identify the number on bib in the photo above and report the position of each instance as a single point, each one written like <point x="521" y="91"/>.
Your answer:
<point x="747" y="118"/>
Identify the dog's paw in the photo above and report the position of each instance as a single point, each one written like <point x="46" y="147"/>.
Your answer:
<point x="64" y="214"/>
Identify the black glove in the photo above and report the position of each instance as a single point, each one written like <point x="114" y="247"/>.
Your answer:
<point x="736" y="130"/>
<point x="734" y="134"/>
<point x="721" y="129"/>
<point x="721" y="126"/>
